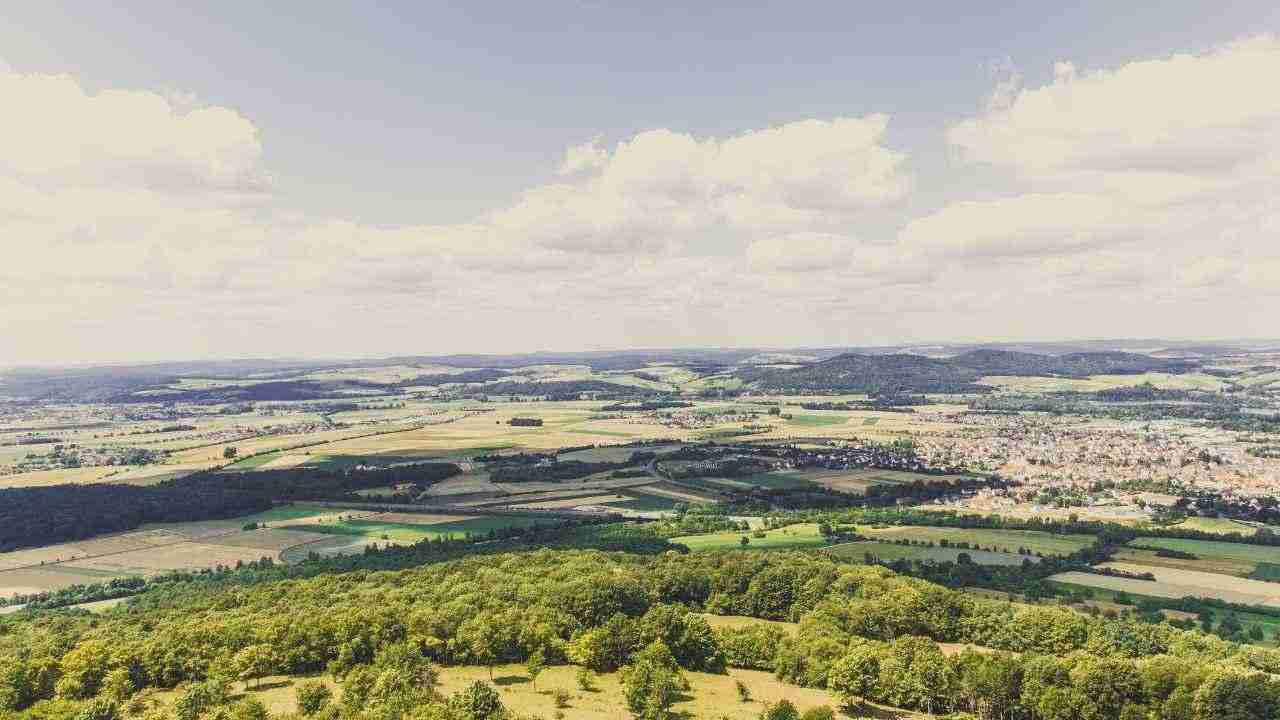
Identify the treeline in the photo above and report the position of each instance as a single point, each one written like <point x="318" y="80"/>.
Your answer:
<point x="563" y="389"/>
<point x="903" y="373"/>
<point x="1221" y="412"/>
<point x="35" y="516"/>
<point x="863" y="632"/>
<point x="270" y="391"/>
<point x="559" y="470"/>
<point x="648" y="405"/>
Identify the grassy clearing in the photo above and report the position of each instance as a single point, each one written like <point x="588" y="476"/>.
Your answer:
<point x="709" y="696"/>
<point x="803" y="535"/>
<point x="1005" y="541"/>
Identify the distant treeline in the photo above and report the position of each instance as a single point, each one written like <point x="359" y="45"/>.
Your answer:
<point x="521" y="470"/>
<point x="468" y="376"/>
<point x="565" y="389"/>
<point x="903" y="373"/>
<point x="1222" y="411"/>
<point x="271" y="391"/>
<point x="31" y="517"/>
<point x="648" y="405"/>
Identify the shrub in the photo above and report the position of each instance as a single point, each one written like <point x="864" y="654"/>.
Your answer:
<point x="313" y="696"/>
<point x="561" y="696"/>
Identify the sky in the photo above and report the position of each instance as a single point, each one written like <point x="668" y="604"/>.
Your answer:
<point x="233" y="180"/>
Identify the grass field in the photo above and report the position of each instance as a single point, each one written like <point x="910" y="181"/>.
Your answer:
<point x="1216" y="525"/>
<point x="645" y="503"/>
<point x="1006" y="541"/>
<point x="1221" y="566"/>
<point x="813" y="420"/>
<point x="1210" y="549"/>
<point x="889" y="552"/>
<point x="803" y="535"/>
<point x="709" y="696"/>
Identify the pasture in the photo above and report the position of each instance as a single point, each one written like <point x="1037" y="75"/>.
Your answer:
<point x="802" y="535"/>
<point x="708" y="696"/>
<point x="1001" y="541"/>
<point x="1213" y="550"/>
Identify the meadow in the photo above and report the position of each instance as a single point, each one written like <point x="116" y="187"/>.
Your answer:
<point x="1004" y="541"/>
<point x="802" y="535"/>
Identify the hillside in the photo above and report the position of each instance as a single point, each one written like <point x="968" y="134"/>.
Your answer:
<point x="908" y="373"/>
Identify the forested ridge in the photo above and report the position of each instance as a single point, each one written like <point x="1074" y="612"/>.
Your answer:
<point x="864" y="632"/>
<point x="904" y="373"/>
<point x="31" y="517"/>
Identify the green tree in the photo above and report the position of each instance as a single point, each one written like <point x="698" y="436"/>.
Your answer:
<point x="313" y="696"/>
<point x="536" y="663"/>
<point x="781" y="710"/>
<point x="254" y="662"/>
<point x="479" y="701"/>
<point x="652" y="683"/>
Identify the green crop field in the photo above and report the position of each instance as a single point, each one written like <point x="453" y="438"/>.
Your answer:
<point x="645" y="503"/>
<point x="818" y="420"/>
<point x="1002" y="540"/>
<point x="413" y="532"/>
<point x="803" y="535"/>
<point x="1210" y="549"/>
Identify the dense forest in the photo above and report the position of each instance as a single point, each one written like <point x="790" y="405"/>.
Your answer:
<point x="31" y="517"/>
<point x="865" y="633"/>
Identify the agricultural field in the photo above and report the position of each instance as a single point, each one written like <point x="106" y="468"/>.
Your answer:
<point x="802" y="535"/>
<point x="1211" y="550"/>
<point x="1001" y="541"/>
<point x="889" y="552"/>
<point x="1222" y="526"/>
<point x="288" y="533"/>
<point x="1175" y="583"/>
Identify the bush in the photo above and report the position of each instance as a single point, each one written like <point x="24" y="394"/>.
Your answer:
<point x="586" y="679"/>
<point x="744" y="693"/>
<point x="561" y="696"/>
<point x="313" y="696"/>
<point x="781" y="710"/>
<point x="821" y="712"/>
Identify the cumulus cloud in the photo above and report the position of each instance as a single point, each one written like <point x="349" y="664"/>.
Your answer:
<point x="1156" y="180"/>
<point x="1159" y="174"/>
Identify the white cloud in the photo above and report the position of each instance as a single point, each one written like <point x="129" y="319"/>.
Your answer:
<point x="1159" y="175"/>
<point x="588" y="156"/>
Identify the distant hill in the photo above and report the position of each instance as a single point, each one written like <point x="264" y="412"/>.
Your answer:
<point x="901" y="373"/>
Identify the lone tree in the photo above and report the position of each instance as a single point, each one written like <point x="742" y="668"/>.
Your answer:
<point x="229" y="452"/>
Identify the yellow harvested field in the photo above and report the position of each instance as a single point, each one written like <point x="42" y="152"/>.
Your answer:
<point x="1173" y="583"/>
<point x="29" y="581"/>
<point x="178" y="556"/>
<point x="268" y="539"/>
<point x="107" y="545"/>
<point x="42" y="478"/>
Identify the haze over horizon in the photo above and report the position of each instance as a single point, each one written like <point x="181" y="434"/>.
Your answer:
<point x="242" y="183"/>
